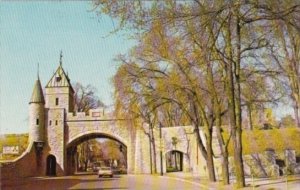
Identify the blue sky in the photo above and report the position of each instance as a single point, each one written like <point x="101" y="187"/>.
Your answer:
<point x="35" y="32"/>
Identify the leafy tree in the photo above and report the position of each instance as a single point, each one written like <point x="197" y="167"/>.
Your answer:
<point x="85" y="99"/>
<point x="285" y="52"/>
<point x="287" y="121"/>
<point x="111" y="152"/>
<point x="203" y="42"/>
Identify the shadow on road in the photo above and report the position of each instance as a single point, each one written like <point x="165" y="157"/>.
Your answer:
<point x="57" y="183"/>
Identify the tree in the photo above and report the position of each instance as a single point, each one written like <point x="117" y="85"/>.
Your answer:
<point x="219" y="38"/>
<point x="287" y="121"/>
<point x="84" y="100"/>
<point x="286" y="53"/>
<point x="112" y="152"/>
<point x="88" y="151"/>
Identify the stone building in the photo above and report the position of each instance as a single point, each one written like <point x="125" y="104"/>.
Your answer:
<point x="55" y="129"/>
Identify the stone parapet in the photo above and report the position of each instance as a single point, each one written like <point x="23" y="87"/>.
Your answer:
<point x="94" y="114"/>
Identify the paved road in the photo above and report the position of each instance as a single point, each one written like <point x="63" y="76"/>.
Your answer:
<point x="118" y="182"/>
<point x="140" y="182"/>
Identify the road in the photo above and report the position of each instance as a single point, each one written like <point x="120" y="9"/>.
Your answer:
<point x="139" y="182"/>
<point x="118" y="182"/>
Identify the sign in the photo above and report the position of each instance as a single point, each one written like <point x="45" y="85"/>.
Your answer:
<point x="10" y="150"/>
<point x="96" y="114"/>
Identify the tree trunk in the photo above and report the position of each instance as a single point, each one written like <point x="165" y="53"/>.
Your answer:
<point x="225" y="168"/>
<point x="238" y="160"/>
<point x="205" y="151"/>
<point x="224" y="152"/>
<point x="238" y="151"/>
<point x="154" y="151"/>
<point x="150" y="152"/>
<point x="297" y="115"/>
<point x="210" y="159"/>
<point x="250" y="116"/>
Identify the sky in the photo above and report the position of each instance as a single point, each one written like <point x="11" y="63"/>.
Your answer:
<point x="34" y="32"/>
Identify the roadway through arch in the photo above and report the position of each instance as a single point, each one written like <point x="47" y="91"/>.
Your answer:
<point x="71" y="149"/>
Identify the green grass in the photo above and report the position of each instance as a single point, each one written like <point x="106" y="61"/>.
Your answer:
<point x="20" y="140"/>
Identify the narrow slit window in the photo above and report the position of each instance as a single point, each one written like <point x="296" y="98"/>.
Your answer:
<point x="50" y="122"/>
<point x="37" y="121"/>
<point x="56" y="122"/>
<point x="56" y="101"/>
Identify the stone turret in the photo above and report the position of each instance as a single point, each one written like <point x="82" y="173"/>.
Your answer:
<point x="37" y="114"/>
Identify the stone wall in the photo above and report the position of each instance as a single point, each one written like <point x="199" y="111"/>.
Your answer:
<point x="24" y="166"/>
<point x="56" y="133"/>
<point x="269" y="164"/>
<point x="193" y="161"/>
<point x="96" y="124"/>
<point x="65" y="100"/>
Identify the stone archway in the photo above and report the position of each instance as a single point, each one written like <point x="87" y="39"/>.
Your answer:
<point x="174" y="161"/>
<point x="51" y="165"/>
<point x="72" y="152"/>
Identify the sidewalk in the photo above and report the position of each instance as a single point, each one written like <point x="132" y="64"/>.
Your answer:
<point x="293" y="182"/>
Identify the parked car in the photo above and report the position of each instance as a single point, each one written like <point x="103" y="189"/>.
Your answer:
<point x="105" y="171"/>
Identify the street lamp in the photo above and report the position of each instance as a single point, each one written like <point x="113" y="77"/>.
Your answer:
<point x="39" y="146"/>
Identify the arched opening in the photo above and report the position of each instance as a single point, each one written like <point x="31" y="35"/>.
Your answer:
<point x="51" y="165"/>
<point x="86" y="154"/>
<point x="174" y="161"/>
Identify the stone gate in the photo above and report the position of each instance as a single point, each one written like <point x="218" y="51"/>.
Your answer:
<point x="55" y="128"/>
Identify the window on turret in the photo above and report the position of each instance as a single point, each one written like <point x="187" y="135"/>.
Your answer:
<point x="56" y="122"/>
<point x="56" y="101"/>
<point x="37" y="121"/>
<point x="50" y="122"/>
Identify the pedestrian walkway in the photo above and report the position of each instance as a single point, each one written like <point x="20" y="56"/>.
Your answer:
<point x="281" y="183"/>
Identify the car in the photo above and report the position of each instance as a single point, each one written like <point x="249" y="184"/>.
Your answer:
<point x="105" y="171"/>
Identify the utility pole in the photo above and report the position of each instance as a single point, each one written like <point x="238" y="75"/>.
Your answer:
<point x="161" y="159"/>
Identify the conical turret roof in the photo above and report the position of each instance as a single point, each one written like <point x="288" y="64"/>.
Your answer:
<point x="37" y="94"/>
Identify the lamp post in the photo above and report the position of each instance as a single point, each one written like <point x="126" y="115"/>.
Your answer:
<point x="39" y="145"/>
<point x="160" y="141"/>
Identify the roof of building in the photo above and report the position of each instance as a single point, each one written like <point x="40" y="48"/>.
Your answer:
<point x="59" y="78"/>
<point x="37" y="94"/>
